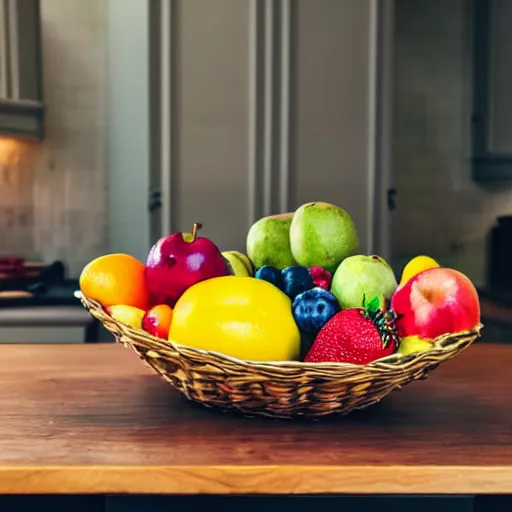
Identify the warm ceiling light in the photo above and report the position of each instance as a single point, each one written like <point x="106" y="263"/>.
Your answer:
<point x="14" y="151"/>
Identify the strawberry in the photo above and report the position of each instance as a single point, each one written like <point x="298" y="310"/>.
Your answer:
<point x="356" y="335"/>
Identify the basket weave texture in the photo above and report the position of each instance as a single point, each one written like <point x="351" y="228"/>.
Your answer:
<point x="279" y="389"/>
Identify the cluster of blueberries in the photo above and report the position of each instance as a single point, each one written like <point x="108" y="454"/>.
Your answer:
<point x="308" y="288"/>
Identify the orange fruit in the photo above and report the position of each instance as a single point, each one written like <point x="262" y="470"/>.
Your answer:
<point x="128" y="315"/>
<point x="116" y="279"/>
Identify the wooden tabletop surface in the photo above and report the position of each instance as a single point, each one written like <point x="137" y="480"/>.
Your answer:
<point x="93" y="419"/>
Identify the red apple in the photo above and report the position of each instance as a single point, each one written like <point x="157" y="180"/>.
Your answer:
<point x="157" y="321"/>
<point x="177" y="262"/>
<point x="435" y="302"/>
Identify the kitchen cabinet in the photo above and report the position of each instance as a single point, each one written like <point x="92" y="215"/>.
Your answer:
<point x="21" y="98"/>
<point x="250" y="108"/>
<point x="492" y="79"/>
<point x="44" y="324"/>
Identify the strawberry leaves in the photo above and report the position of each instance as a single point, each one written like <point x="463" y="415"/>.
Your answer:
<point x="374" y="306"/>
<point x="383" y="317"/>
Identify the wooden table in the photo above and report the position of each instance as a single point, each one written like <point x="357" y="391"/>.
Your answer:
<point x="82" y="419"/>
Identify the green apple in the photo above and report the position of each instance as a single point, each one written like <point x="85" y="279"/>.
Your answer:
<point x="268" y="242"/>
<point x="323" y="235"/>
<point x="238" y="263"/>
<point x="360" y="278"/>
<point x="413" y="345"/>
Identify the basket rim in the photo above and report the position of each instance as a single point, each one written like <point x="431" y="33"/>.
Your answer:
<point x="441" y="345"/>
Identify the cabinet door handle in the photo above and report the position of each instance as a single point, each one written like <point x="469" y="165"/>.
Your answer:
<point x="392" y="199"/>
<point x="155" y="202"/>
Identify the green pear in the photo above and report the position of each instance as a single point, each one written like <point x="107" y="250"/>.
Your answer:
<point x="323" y="235"/>
<point x="361" y="278"/>
<point x="413" y="345"/>
<point x="238" y="263"/>
<point x="268" y="242"/>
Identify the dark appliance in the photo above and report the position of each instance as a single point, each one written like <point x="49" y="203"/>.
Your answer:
<point x="500" y="255"/>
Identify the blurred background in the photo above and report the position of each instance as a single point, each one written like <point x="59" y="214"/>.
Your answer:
<point x="124" y="120"/>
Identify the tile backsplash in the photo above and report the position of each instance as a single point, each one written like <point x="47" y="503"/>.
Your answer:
<point x="53" y="195"/>
<point x="16" y="205"/>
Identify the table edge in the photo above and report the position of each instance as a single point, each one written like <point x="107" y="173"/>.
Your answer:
<point x="285" y="479"/>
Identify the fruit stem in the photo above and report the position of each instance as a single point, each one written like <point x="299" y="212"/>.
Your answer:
<point x="197" y="227"/>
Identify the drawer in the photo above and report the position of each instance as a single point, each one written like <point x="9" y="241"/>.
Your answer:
<point x="45" y="324"/>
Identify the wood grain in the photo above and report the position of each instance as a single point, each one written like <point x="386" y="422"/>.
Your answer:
<point x="94" y="419"/>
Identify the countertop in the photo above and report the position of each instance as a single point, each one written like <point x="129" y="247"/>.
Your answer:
<point x="93" y="419"/>
<point x="53" y="294"/>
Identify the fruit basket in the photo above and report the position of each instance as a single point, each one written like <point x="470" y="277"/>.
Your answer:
<point x="282" y="389"/>
<point x="303" y="325"/>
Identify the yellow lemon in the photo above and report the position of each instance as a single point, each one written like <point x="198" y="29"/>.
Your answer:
<point x="128" y="315"/>
<point x="417" y="265"/>
<point x="239" y="316"/>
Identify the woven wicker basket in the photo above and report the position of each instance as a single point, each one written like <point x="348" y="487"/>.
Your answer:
<point x="279" y="389"/>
